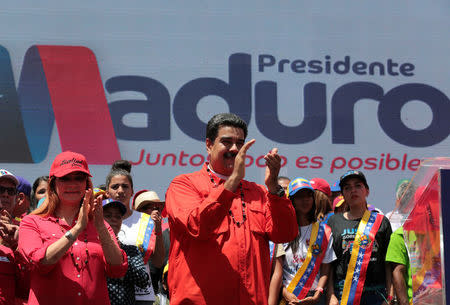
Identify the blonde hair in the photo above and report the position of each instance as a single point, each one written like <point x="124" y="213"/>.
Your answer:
<point x="323" y="204"/>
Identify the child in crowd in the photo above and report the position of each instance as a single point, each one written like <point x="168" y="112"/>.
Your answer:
<point x="121" y="291"/>
<point x="302" y="266"/>
<point x="361" y="238"/>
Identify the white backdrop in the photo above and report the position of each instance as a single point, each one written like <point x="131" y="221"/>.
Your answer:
<point x="177" y="42"/>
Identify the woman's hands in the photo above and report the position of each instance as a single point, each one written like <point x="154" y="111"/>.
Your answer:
<point x="91" y="208"/>
<point x="85" y="210"/>
<point x="97" y="212"/>
<point x="291" y="299"/>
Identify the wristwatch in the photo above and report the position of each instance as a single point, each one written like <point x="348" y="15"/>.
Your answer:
<point x="69" y="236"/>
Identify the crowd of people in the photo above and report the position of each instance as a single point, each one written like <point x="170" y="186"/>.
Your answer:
<point x="216" y="239"/>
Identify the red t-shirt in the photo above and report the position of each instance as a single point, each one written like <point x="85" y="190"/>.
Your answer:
<point x="212" y="260"/>
<point x="63" y="282"/>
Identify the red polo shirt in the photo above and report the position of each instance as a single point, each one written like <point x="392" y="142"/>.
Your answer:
<point x="212" y="260"/>
<point x="63" y="283"/>
<point x="8" y="273"/>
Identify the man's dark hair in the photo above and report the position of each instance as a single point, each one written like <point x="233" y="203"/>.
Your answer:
<point x="121" y="164"/>
<point x="224" y="119"/>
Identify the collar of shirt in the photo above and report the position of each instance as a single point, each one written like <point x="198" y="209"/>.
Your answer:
<point x="223" y="177"/>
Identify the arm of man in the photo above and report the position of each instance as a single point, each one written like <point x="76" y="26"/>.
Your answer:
<point x="191" y="213"/>
<point x="397" y="257"/>
<point x="398" y="279"/>
<point x="389" y="287"/>
<point x="282" y="223"/>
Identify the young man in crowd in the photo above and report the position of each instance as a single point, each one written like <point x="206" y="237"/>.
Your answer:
<point x="361" y="238"/>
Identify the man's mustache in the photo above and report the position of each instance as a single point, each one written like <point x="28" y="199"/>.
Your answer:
<point x="229" y="155"/>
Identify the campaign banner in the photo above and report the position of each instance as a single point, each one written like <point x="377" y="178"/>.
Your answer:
<point x="334" y="86"/>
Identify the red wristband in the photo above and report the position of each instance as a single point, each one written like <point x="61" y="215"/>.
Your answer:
<point x="319" y="289"/>
<point x="390" y="297"/>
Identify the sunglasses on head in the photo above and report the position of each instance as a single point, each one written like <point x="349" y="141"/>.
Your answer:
<point x="10" y="190"/>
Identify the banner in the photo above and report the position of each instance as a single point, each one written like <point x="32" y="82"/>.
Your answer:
<point x="333" y="86"/>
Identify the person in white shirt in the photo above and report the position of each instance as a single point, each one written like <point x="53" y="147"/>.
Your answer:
<point x="308" y="256"/>
<point x="119" y="186"/>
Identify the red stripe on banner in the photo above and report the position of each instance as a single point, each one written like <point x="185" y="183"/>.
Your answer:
<point x="366" y="260"/>
<point x="317" y="263"/>
<point x="151" y="247"/>
<point x="79" y="103"/>
<point x="164" y="224"/>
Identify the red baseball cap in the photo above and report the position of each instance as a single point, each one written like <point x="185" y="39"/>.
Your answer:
<point x="338" y="201"/>
<point x="68" y="162"/>
<point x="321" y="185"/>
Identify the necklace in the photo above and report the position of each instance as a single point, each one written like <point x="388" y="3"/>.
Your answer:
<point x="303" y="236"/>
<point x="74" y="261"/>
<point x="244" y="216"/>
<point x="302" y="240"/>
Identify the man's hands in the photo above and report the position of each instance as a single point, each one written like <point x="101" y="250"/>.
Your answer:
<point x="273" y="165"/>
<point x="9" y="233"/>
<point x="155" y="215"/>
<point x="239" y="167"/>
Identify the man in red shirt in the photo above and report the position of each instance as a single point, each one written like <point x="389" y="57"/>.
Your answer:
<point x="221" y="224"/>
<point x="11" y="276"/>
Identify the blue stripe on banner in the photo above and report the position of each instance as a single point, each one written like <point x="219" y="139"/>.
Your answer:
<point x="11" y="124"/>
<point x="147" y="235"/>
<point x="304" y="278"/>
<point x="362" y="251"/>
<point x="271" y="249"/>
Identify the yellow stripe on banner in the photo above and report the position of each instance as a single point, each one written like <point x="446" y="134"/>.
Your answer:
<point x="301" y="271"/>
<point x="142" y="228"/>
<point x="354" y="257"/>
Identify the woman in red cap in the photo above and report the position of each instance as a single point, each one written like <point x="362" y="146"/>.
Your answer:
<point x="69" y="247"/>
